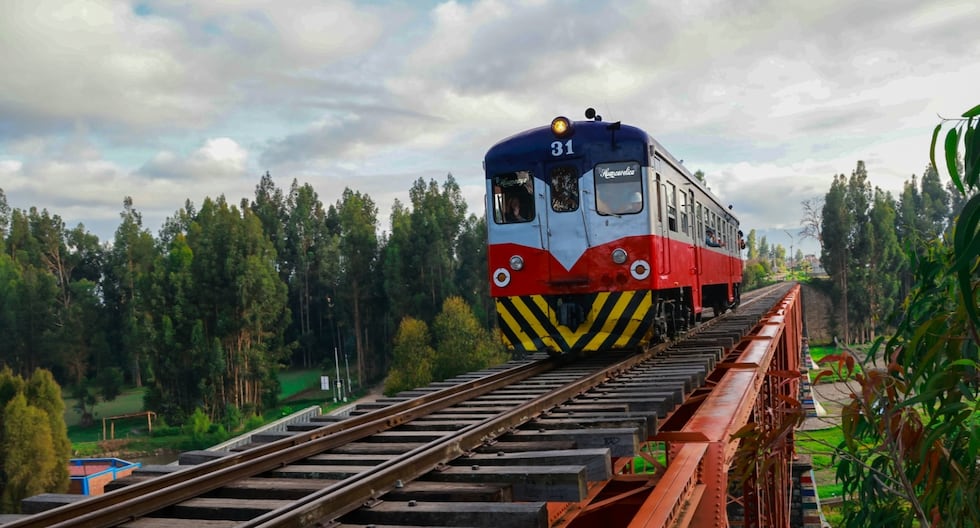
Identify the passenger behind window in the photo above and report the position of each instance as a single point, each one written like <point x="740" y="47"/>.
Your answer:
<point x="711" y="239"/>
<point x="513" y="213"/>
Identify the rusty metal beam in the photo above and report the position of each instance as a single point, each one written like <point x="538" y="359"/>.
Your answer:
<point x="694" y="489"/>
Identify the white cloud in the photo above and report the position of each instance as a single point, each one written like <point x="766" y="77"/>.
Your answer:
<point x="218" y="159"/>
<point x="170" y="100"/>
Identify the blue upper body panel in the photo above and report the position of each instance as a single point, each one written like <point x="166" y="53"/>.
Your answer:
<point x="591" y="142"/>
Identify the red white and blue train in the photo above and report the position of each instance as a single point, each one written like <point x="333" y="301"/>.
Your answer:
<point x="599" y="239"/>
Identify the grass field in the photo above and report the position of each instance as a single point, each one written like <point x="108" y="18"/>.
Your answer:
<point x="299" y="389"/>
<point x="295" y="382"/>
<point x="819" y="445"/>
<point x="130" y="401"/>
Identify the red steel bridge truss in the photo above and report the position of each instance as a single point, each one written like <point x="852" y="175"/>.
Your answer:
<point x="755" y="387"/>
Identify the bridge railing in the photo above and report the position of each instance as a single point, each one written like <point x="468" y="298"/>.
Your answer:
<point x="757" y="382"/>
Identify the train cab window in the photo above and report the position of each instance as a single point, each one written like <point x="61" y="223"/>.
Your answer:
<point x="564" y="189"/>
<point x="618" y="188"/>
<point x="671" y="206"/>
<point x="513" y="197"/>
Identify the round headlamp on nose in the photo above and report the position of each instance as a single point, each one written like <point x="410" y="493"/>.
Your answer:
<point x="619" y="255"/>
<point x="516" y="263"/>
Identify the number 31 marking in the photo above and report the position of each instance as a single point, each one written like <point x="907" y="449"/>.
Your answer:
<point x="560" y="149"/>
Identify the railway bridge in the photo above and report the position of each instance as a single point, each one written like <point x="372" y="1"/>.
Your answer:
<point x="697" y="432"/>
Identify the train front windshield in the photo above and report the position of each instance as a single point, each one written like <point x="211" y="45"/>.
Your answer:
<point x="513" y="197"/>
<point x="618" y="188"/>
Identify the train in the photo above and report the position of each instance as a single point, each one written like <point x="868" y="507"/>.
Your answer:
<point x="599" y="239"/>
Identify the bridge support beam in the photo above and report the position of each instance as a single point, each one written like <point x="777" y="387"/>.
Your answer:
<point x="757" y="385"/>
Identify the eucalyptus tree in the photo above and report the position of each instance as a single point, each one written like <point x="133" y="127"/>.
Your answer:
<point x="127" y="290"/>
<point x="753" y="249"/>
<point x="270" y="206"/>
<point x="885" y="261"/>
<point x="836" y="226"/>
<point x="858" y="200"/>
<point x="396" y="264"/>
<point x="221" y="309"/>
<point x="52" y="266"/>
<point x="437" y="218"/>
<point x="357" y="218"/>
<point x="764" y="248"/>
<point x="301" y="255"/>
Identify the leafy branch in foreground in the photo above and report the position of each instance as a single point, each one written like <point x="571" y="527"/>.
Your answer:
<point x="912" y="434"/>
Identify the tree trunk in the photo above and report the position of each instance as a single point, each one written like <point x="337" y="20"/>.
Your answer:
<point x="359" y="345"/>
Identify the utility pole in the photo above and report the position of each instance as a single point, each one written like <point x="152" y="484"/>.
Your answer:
<point x="338" y="393"/>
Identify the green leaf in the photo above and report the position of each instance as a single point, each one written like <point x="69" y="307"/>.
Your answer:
<point x="973" y="112"/>
<point x="932" y="145"/>
<point x="963" y="363"/>
<point x="952" y="142"/>
<point x="972" y="156"/>
<point x="964" y="235"/>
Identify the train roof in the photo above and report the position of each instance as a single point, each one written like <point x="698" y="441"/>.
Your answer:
<point x="528" y="144"/>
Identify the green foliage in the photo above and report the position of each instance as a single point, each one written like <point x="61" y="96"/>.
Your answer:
<point x="110" y="382"/>
<point x="753" y="249"/>
<point x="356" y="216"/>
<point x="202" y="432"/>
<point x="755" y="274"/>
<point x="413" y="357"/>
<point x="219" y="314"/>
<point x="912" y="434"/>
<point x="462" y="344"/>
<point x="29" y="463"/>
<point x="34" y="445"/>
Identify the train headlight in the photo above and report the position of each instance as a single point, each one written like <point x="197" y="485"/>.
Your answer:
<point x="619" y="255"/>
<point x="640" y="269"/>
<point x="516" y="263"/>
<point x="501" y="277"/>
<point x="561" y="126"/>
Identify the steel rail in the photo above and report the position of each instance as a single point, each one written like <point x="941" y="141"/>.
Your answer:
<point x="125" y="504"/>
<point x="353" y="492"/>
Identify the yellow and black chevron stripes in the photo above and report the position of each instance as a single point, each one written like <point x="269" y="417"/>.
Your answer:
<point x="614" y="320"/>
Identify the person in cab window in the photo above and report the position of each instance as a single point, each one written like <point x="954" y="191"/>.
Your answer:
<point x="513" y="213"/>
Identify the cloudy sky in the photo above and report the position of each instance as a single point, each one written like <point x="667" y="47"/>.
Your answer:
<point x="167" y="101"/>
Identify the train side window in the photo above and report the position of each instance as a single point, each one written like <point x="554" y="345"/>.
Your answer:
<point x="660" y="202"/>
<point x="618" y="188"/>
<point x="700" y="229"/>
<point x="564" y="189"/>
<point x="684" y="217"/>
<point x="513" y="197"/>
<point x="671" y="206"/>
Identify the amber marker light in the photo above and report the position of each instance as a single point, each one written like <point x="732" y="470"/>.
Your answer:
<point x="561" y="126"/>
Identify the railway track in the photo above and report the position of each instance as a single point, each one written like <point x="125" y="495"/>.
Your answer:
<point x="516" y="445"/>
